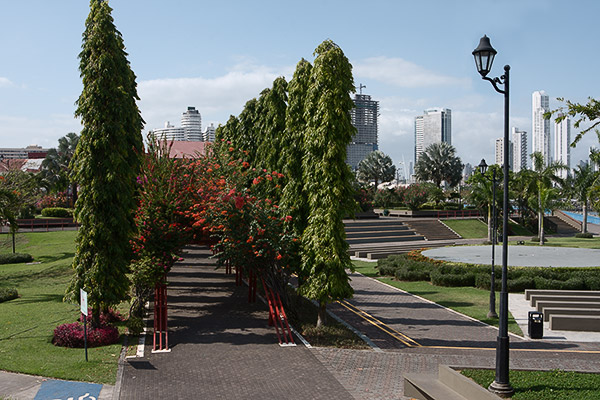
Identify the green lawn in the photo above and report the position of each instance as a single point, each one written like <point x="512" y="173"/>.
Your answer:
<point x="545" y="385"/>
<point x="27" y="323"/>
<point x="467" y="228"/>
<point x="466" y="300"/>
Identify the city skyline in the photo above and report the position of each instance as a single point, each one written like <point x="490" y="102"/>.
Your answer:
<point x="217" y="64"/>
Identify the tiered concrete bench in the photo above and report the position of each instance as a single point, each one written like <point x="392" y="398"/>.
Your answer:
<point x="568" y="310"/>
<point x="450" y="385"/>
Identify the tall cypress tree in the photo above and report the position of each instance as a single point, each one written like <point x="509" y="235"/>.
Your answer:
<point x="293" y="199"/>
<point x="105" y="164"/>
<point x="327" y="178"/>
<point x="272" y="125"/>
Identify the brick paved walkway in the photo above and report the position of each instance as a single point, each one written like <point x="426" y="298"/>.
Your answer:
<point x="222" y="347"/>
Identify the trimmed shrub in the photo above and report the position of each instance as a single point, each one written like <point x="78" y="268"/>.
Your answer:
<point x="412" y="274"/>
<point x="135" y="325"/>
<point x="585" y="235"/>
<point x="15" y="258"/>
<point x="388" y="266"/>
<point x="484" y="280"/>
<point x="8" y="294"/>
<point x="59" y="212"/>
<point x="592" y="282"/>
<point x="537" y="239"/>
<point x="520" y="284"/>
<point x="71" y="335"/>
<point x="106" y="318"/>
<point x="439" y="278"/>
<point x="574" y="283"/>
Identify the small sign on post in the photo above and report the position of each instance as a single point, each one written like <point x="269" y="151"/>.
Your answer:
<point x="84" y="310"/>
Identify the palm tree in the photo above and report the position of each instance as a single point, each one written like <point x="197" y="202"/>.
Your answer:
<point x="482" y="194"/>
<point x="583" y="181"/>
<point x="55" y="167"/>
<point x="439" y="163"/>
<point x="544" y="176"/>
<point x="376" y="166"/>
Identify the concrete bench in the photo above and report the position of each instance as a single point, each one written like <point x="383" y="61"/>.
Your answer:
<point x="581" y="323"/>
<point x="565" y="299"/>
<point x="553" y="292"/>
<point x="548" y="311"/>
<point x="542" y="305"/>
<point x="449" y="385"/>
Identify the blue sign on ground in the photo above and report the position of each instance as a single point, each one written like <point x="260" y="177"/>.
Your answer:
<point x="67" y="390"/>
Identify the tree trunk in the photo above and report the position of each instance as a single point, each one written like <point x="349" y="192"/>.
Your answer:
<point x="95" y="316"/>
<point x="541" y="228"/>
<point x="322" y="315"/>
<point x="585" y="215"/>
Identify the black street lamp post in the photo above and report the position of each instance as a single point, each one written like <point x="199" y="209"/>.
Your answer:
<point x="484" y="57"/>
<point x="483" y="168"/>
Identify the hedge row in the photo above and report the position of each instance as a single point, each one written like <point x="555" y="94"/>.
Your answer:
<point x="15" y="258"/>
<point x="59" y="212"/>
<point x="8" y="294"/>
<point x="415" y="267"/>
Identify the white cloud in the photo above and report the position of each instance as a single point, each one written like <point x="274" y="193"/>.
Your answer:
<point x="216" y="98"/>
<point x="44" y="130"/>
<point x="402" y="73"/>
<point x="5" y="82"/>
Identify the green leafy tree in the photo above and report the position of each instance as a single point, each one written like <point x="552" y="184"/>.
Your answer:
<point x="8" y="202"/>
<point x="438" y="163"/>
<point x="544" y="177"/>
<point x="327" y="178"/>
<point x="583" y="112"/>
<point x="272" y="126"/>
<point x="105" y="164"/>
<point x="55" y="167"/>
<point x="294" y="198"/>
<point x="482" y="194"/>
<point x="376" y="166"/>
<point x="583" y="182"/>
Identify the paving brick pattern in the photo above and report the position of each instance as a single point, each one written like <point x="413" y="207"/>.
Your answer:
<point x="222" y="347"/>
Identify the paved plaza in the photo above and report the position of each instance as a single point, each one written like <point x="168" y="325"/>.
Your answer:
<point x="222" y="347"/>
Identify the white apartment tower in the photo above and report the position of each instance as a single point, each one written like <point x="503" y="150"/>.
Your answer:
<point x="540" y="127"/>
<point x="499" y="153"/>
<point x="191" y="122"/>
<point x="209" y="133"/>
<point x="519" y="142"/>
<point x="562" y="139"/>
<point x="434" y="126"/>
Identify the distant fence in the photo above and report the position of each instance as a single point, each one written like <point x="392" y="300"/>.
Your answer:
<point x="458" y="214"/>
<point x="43" y="224"/>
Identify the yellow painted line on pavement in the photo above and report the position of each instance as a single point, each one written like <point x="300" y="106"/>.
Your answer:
<point x="521" y="350"/>
<point x="379" y="324"/>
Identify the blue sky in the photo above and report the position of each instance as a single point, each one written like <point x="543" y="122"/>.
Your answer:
<point x="216" y="55"/>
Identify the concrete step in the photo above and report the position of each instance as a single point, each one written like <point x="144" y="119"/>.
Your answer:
<point x="542" y="305"/>
<point x="565" y="299"/>
<point x="555" y="292"/>
<point x="548" y="311"/>
<point x="390" y="232"/>
<point x="381" y="239"/>
<point x="376" y="228"/>
<point x="579" y="323"/>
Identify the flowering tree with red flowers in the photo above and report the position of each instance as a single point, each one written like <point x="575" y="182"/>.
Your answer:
<point x="166" y="192"/>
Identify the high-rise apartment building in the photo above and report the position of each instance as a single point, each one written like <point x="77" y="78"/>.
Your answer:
<point x="209" y="133"/>
<point x="364" y="119"/>
<point x="540" y="127"/>
<point x="519" y="142"/>
<point x="191" y="122"/>
<point x="499" y="153"/>
<point x="190" y="130"/>
<point x="562" y="139"/>
<point x="434" y="126"/>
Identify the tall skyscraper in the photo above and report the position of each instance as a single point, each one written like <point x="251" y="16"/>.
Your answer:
<point x="434" y="126"/>
<point x="540" y="127"/>
<point x="364" y="119"/>
<point x="191" y="122"/>
<point x="562" y="140"/>
<point x="519" y="141"/>
<point x="499" y="153"/>
<point x="190" y="130"/>
<point x="209" y="134"/>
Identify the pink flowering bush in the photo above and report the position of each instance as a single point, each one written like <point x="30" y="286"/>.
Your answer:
<point x="415" y="196"/>
<point x="72" y="335"/>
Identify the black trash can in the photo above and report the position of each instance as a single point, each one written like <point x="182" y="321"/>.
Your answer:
<point x="536" y="325"/>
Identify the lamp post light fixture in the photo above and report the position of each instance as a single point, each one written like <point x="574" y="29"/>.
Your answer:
<point x="484" y="57"/>
<point x="482" y="169"/>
